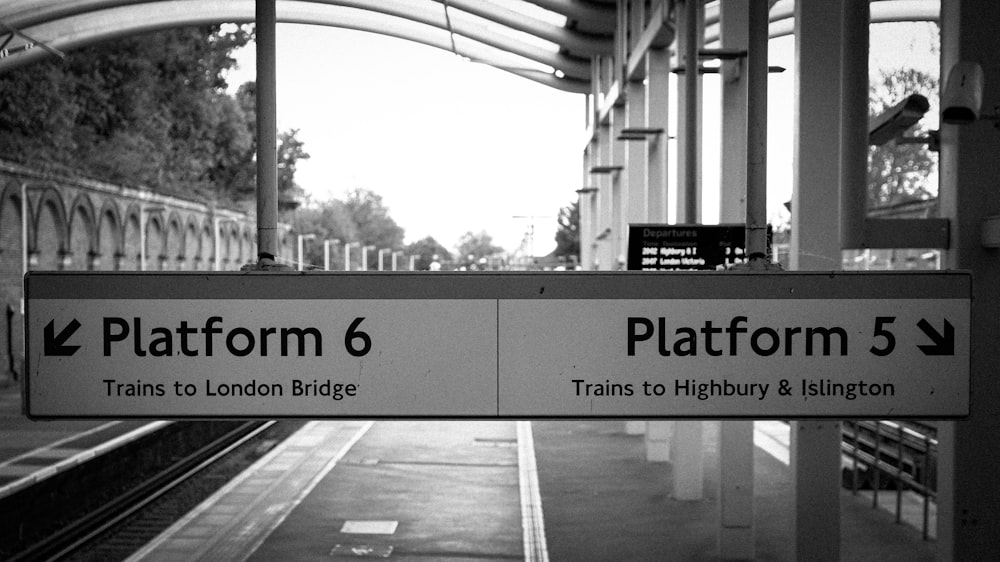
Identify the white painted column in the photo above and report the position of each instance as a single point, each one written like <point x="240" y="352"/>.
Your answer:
<point x="968" y="488"/>
<point x="689" y="85"/>
<point x="605" y="250"/>
<point x="686" y="447"/>
<point x="657" y="98"/>
<point x="636" y="156"/>
<point x="657" y="116"/>
<point x="736" y="469"/>
<point x="658" y="436"/>
<point x="586" y="203"/>
<point x="634" y="186"/>
<point x="815" y="445"/>
<point x="619" y="189"/>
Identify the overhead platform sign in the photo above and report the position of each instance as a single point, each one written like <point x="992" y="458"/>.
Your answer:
<point x="507" y="345"/>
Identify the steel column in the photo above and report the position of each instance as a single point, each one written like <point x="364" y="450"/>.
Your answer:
<point x="815" y="450"/>
<point x="736" y="468"/>
<point x="657" y="116"/>
<point x="267" y="131"/>
<point x="968" y="488"/>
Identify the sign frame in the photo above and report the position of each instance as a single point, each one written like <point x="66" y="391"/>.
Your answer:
<point x="472" y="286"/>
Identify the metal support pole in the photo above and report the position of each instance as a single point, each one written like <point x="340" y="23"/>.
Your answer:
<point x="267" y="129"/>
<point x="302" y="239"/>
<point x="687" y="447"/>
<point x="815" y="451"/>
<point x="736" y="447"/>
<point x="691" y="114"/>
<point x="756" y="235"/>
<point x="24" y="238"/>
<point x="967" y="518"/>
<point x="854" y="123"/>
<point x="657" y="116"/>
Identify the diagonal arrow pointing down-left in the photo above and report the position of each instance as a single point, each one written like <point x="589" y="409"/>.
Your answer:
<point x="55" y="344"/>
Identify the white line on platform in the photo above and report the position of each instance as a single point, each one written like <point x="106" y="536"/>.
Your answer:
<point x="532" y="521"/>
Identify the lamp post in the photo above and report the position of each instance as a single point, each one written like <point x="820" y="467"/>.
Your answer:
<point x="347" y="254"/>
<point x="326" y="252"/>
<point x="364" y="257"/>
<point x="302" y="239"/>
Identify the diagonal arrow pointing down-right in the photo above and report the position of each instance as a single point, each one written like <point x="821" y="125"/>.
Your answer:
<point x="943" y="344"/>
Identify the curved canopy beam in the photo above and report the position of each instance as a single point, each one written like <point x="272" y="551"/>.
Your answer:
<point x="569" y="39"/>
<point x="782" y="16"/>
<point x="36" y="12"/>
<point x="595" y="16"/>
<point x="134" y="18"/>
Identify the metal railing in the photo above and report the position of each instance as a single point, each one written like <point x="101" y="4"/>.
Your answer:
<point x="891" y="455"/>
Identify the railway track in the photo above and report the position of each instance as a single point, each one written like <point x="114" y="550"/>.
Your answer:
<point x="122" y="524"/>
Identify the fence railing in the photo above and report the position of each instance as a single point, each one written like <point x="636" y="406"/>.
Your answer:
<point x="893" y="456"/>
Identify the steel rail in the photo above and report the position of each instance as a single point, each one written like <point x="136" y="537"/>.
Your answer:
<point x="94" y="524"/>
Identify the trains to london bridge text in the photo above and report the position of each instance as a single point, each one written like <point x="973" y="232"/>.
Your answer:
<point x="213" y="337"/>
<point x="251" y="388"/>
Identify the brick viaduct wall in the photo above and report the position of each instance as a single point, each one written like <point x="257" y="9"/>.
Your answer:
<point x="79" y="224"/>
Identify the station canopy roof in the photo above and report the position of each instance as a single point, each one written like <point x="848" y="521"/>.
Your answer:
<point x="549" y="41"/>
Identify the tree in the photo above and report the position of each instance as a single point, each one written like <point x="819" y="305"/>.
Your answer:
<point x="148" y="110"/>
<point x="473" y="247"/>
<point x="568" y="232"/>
<point x="329" y="220"/>
<point x="290" y="151"/>
<point x="371" y="218"/>
<point x="360" y="218"/>
<point x="425" y="250"/>
<point x="898" y="173"/>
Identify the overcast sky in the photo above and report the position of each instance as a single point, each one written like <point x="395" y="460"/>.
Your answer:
<point x="454" y="146"/>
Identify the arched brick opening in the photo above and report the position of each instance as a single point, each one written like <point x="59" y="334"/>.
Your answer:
<point x="155" y="243"/>
<point x="131" y="241"/>
<point x="11" y="270"/>
<point x="174" y="244"/>
<point x="109" y="238"/>
<point x="82" y="235"/>
<point x="207" y="246"/>
<point x="192" y="246"/>
<point x="50" y="233"/>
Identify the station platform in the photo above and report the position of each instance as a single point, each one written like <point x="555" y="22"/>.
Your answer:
<point x="34" y="450"/>
<point x="496" y="490"/>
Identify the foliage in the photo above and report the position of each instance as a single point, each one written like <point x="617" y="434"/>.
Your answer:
<point x="360" y="218"/>
<point x="898" y="173"/>
<point x="568" y="231"/>
<point x="425" y="250"/>
<point x="473" y="247"/>
<point x="371" y="218"/>
<point x="148" y="110"/>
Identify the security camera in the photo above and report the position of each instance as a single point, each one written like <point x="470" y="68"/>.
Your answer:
<point x="963" y="94"/>
<point x="893" y="122"/>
